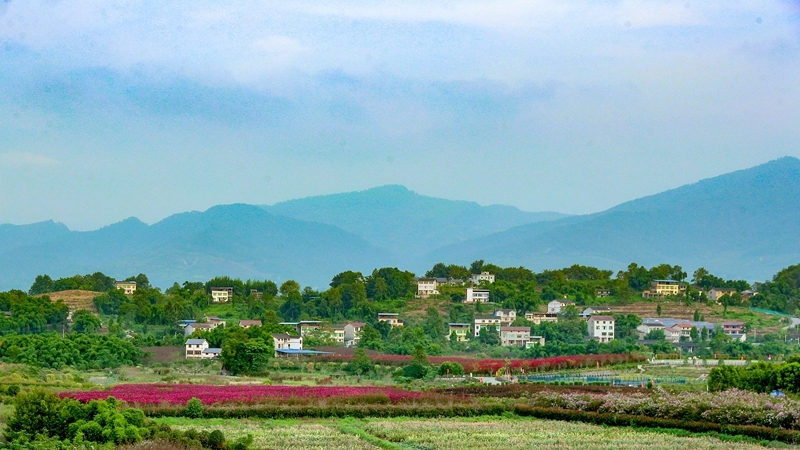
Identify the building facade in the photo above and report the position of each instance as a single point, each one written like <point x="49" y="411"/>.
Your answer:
<point x="601" y="328"/>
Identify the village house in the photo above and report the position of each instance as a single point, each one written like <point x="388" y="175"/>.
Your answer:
<point x="515" y="336"/>
<point x="672" y="334"/>
<point x="664" y="288"/>
<point x="427" y="287"/>
<point x="221" y="294"/>
<point x="733" y="327"/>
<point x="685" y="328"/>
<point x="538" y="317"/>
<point x="483" y="277"/>
<point x="557" y="305"/>
<point x="392" y="318"/>
<point x="534" y="341"/>
<point x="308" y="326"/>
<point x="283" y="341"/>
<point x="348" y="333"/>
<point x="486" y="321"/>
<point x="601" y="328"/>
<point x="649" y="325"/>
<point x="716" y="293"/>
<point x="592" y="310"/>
<point x="202" y="326"/>
<point x="476" y="295"/>
<point x="507" y="316"/>
<point x="602" y="292"/>
<point x="199" y="349"/>
<point x="128" y="287"/>
<point x="460" y="329"/>
<point x="249" y="323"/>
<point x="748" y="294"/>
<point x="256" y="293"/>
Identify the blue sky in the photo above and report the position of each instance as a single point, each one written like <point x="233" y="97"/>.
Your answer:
<point x="111" y="109"/>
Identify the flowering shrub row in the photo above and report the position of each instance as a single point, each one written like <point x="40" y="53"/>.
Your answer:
<point x="490" y="366"/>
<point x="149" y="394"/>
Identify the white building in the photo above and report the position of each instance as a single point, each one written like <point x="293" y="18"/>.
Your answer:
<point x="601" y="328"/>
<point x="198" y="349"/>
<point x="515" y="336"/>
<point x="507" y="316"/>
<point x="556" y="305"/>
<point x="427" y="287"/>
<point x="486" y="321"/>
<point x="476" y="295"/>
<point x="286" y="341"/>
<point x="221" y="294"/>
<point x="478" y="278"/>
<point x="129" y="287"/>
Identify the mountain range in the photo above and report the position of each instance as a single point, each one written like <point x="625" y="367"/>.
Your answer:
<point x="744" y="224"/>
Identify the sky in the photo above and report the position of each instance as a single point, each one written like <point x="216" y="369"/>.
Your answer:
<point x="111" y="109"/>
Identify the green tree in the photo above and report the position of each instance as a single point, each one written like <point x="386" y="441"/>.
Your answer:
<point x="371" y="338"/>
<point x="693" y="334"/>
<point x="85" y="322"/>
<point x="245" y="356"/>
<point x="194" y="408"/>
<point x="658" y="310"/>
<point x="42" y="285"/>
<point x="361" y="364"/>
<point x="489" y="336"/>
<point x="451" y="368"/>
<point x="289" y="286"/>
<point x="434" y="326"/>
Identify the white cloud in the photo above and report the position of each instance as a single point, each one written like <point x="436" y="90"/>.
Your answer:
<point x="26" y="159"/>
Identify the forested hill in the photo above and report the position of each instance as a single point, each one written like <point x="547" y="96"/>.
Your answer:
<point x="243" y="240"/>
<point x="745" y="224"/>
<point x="406" y="223"/>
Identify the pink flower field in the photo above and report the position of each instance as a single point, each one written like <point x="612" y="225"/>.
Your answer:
<point x="153" y="394"/>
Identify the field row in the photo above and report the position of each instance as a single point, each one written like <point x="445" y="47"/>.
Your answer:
<point x="445" y="434"/>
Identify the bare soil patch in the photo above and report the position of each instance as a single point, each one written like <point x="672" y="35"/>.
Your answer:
<point x="76" y="299"/>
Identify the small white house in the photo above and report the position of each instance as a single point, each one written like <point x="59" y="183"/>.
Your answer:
<point x="478" y="278"/>
<point x="128" y="287"/>
<point x="199" y="349"/>
<point x="601" y="328"/>
<point x="507" y="316"/>
<point x="287" y="341"/>
<point x="557" y="305"/>
<point x="221" y="294"/>
<point x="486" y="321"/>
<point x="476" y="295"/>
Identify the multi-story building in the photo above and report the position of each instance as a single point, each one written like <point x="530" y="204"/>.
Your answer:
<point x="483" y="277"/>
<point x="476" y="295"/>
<point x="556" y="306"/>
<point x="486" y="321"/>
<point x="129" y="287"/>
<point x="515" y="336"/>
<point x="221" y="294"/>
<point x="601" y="328"/>
<point x="460" y="329"/>
<point x="286" y="341"/>
<point x="392" y="318"/>
<point x="538" y="317"/>
<point x="507" y="316"/>
<point x="199" y="349"/>
<point x="664" y="288"/>
<point x="716" y="293"/>
<point x="733" y="327"/>
<point x="427" y="287"/>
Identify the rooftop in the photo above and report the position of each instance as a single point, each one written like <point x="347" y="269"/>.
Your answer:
<point x="196" y="342"/>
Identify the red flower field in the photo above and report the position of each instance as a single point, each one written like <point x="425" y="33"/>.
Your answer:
<point x="149" y="394"/>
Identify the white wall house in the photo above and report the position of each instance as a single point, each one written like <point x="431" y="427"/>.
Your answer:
<point x="427" y="287"/>
<point x="515" y="336"/>
<point x="486" y="321"/>
<point x="221" y="294"/>
<point x="601" y="328"/>
<point x="507" y="316"/>
<point x="199" y="349"/>
<point x="476" y="295"/>
<point x="556" y="306"/>
<point x="287" y="341"/>
<point x="129" y="287"/>
<point x="477" y="278"/>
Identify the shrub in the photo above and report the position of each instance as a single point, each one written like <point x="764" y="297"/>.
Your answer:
<point x="13" y="390"/>
<point x="451" y="368"/>
<point x="194" y="408"/>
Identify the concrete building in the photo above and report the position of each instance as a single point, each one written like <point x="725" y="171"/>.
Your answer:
<point x="474" y="295"/>
<point x="392" y="318"/>
<point x="716" y="293"/>
<point x="538" y="317"/>
<point x="221" y="294"/>
<point x="507" y="316"/>
<point x="486" y="321"/>
<point x="427" y="287"/>
<point x="601" y="328"/>
<point x="483" y="277"/>
<point x="129" y="287"/>
<point x="286" y="341"/>
<point x="249" y="323"/>
<point x="557" y="305"/>
<point x="460" y="329"/>
<point x="515" y="336"/>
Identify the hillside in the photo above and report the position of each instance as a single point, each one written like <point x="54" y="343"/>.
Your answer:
<point x="744" y="224"/>
<point x="404" y="222"/>
<point x="237" y="240"/>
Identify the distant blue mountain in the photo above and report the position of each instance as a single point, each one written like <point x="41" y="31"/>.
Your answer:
<point x="745" y="224"/>
<point x="238" y="240"/>
<point x="407" y="224"/>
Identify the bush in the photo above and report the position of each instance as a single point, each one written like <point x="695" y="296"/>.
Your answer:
<point x="194" y="408"/>
<point x="13" y="390"/>
<point x="415" y="370"/>
<point x="451" y="368"/>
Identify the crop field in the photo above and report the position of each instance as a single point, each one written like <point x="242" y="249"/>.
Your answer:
<point x="476" y="433"/>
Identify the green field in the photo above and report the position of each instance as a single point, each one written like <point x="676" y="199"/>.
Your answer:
<point x="482" y="433"/>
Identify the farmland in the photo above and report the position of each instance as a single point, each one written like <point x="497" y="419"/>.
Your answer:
<point x="478" y="433"/>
